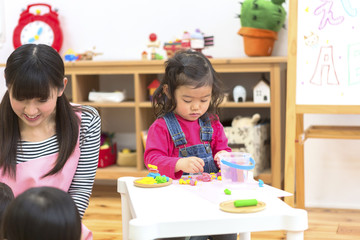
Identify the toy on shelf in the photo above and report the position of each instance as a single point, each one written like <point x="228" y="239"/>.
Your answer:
<point x="70" y="55"/>
<point x="144" y="55"/>
<point x="108" y="152"/>
<point x="117" y="96"/>
<point x="126" y="157"/>
<point x="239" y="94"/>
<point x="261" y="20"/>
<point x="88" y="55"/>
<point x="245" y="122"/>
<point x="179" y="44"/>
<point x="153" y="44"/>
<point x="152" y="87"/>
<point x="196" y="41"/>
<point x="251" y="134"/>
<point x="172" y="47"/>
<point x="261" y="91"/>
<point x="153" y="179"/>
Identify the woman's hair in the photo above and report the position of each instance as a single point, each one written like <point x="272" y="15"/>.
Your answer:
<point x="6" y="196"/>
<point x="41" y="213"/>
<point x="32" y="71"/>
<point x="192" y="69"/>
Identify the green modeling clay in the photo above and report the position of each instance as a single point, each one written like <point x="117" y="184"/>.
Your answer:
<point x="245" y="202"/>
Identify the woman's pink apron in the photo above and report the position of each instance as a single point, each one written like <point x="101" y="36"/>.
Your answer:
<point x="28" y="175"/>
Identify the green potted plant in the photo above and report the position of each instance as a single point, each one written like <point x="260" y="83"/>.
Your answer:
<point x="261" y="20"/>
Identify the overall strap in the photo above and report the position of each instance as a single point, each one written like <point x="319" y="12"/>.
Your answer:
<point x="206" y="130"/>
<point x="175" y="130"/>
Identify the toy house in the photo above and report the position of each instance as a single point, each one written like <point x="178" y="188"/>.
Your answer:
<point x="152" y="87"/>
<point x="144" y="55"/>
<point x="262" y="92"/>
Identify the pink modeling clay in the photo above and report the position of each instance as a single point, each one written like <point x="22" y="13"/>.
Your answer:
<point x="193" y="182"/>
<point x="206" y="177"/>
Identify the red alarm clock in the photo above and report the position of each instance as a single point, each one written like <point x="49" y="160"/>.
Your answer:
<point x="37" y="28"/>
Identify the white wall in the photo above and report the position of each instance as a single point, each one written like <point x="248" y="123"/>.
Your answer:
<point x="120" y="30"/>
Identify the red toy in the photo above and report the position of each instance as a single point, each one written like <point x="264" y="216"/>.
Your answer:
<point x="107" y="156"/>
<point x="153" y="43"/>
<point x="38" y="28"/>
<point x="152" y="87"/>
<point x="108" y="150"/>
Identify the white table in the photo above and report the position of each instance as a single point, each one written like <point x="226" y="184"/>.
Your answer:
<point x="179" y="210"/>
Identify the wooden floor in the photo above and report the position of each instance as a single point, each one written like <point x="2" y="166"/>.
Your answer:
<point x="103" y="217"/>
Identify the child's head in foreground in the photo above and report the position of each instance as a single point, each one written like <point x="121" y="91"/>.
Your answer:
<point x="41" y="213"/>
<point x="6" y="196"/>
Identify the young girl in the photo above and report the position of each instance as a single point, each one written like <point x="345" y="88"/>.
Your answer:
<point x="45" y="140"/>
<point x="41" y="213"/>
<point x="187" y="135"/>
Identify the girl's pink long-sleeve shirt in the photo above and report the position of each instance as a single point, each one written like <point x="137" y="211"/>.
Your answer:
<point x="161" y="151"/>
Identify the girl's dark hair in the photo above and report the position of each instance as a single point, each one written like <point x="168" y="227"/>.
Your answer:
<point x="187" y="68"/>
<point x="31" y="72"/>
<point x="41" y="213"/>
<point x="6" y="196"/>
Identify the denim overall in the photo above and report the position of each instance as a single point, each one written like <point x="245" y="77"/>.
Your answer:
<point x="202" y="151"/>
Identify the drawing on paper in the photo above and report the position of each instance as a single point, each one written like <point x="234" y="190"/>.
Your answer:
<point x="311" y="40"/>
<point x="325" y="69"/>
<point x="354" y="64"/>
<point x="348" y="9"/>
<point x="327" y="14"/>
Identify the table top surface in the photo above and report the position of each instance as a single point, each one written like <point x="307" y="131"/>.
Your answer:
<point x="181" y="204"/>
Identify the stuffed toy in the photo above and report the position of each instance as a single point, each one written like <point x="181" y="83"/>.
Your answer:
<point x="261" y="20"/>
<point x="246" y="135"/>
<point x="241" y="122"/>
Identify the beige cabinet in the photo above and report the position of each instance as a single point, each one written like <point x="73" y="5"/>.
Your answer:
<point x="135" y="76"/>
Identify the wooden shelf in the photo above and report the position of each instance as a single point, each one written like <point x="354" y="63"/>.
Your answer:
<point x="245" y="105"/>
<point x="225" y="105"/>
<point x="109" y="104"/>
<point x="87" y="76"/>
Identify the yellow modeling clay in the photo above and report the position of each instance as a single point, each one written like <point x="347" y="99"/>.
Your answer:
<point x="152" y="166"/>
<point x="147" y="180"/>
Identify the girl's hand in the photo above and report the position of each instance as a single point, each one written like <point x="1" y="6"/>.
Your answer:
<point x="190" y="165"/>
<point x="217" y="158"/>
